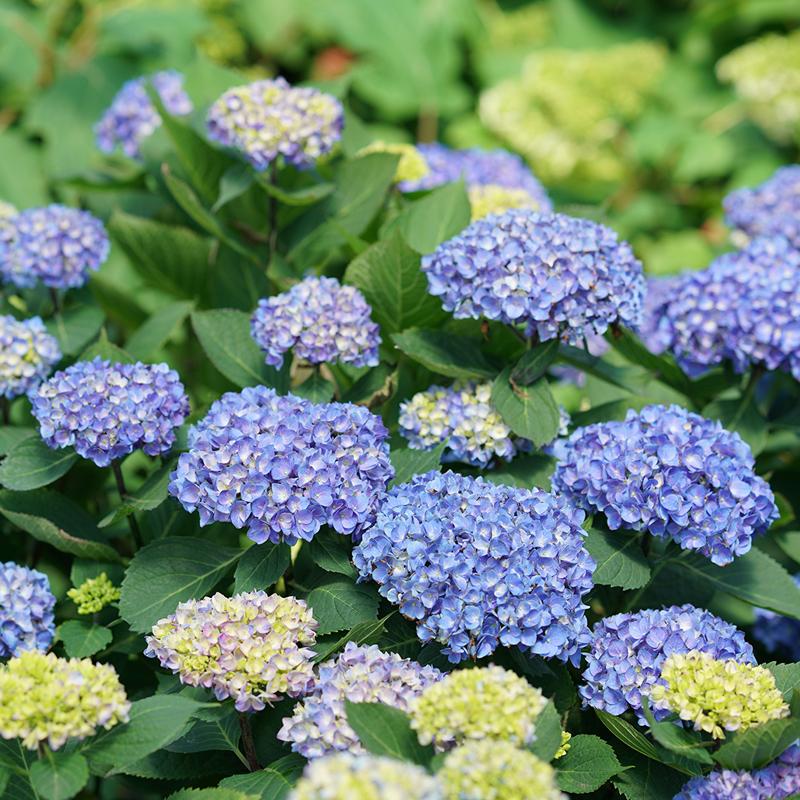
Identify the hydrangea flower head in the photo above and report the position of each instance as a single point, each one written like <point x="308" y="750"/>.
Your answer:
<point x="107" y="410"/>
<point x="361" y="674"/>
<point x="562" y="277"/>
<point x="412" y="165"/>
<point x="131" y="117"/>
<point x="64" y="699"/>
<point x="488" y="769"/>
<point x="778" y="635"/>
<point x="54" y="245"/>
<point x="94" y="594"/>
<point x="283" y="467"/>
<point x="494" y="199"/>
<point x="629" y="650"/>
<point x="26" y="610"/>
<point x="477" y="565"/>
<point x="253" y="647"/>
<point x="670" y="472"/>
<point x="7" y="212"/>
<point x="659" y="292"/>
<point x="483" y="703"/>
<point x="269" y="118"/>
<point x="344" y="776"/>
<point x="27" y="353"/>
<point x="715" y="695"/>
<point x="320" y="320"/>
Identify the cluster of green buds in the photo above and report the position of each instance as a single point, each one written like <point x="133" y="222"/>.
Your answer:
<point x="94" y="594"/>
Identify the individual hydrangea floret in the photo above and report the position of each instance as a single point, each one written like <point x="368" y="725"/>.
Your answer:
<point x="253" y="647"/>
<point x="283" y="467"/>
<point x="270" y="118"/>
<point x="717" y="696"/>
<point x="344" y="776"/>
<point x="94" y="594"/>
<point x="107" y="410"/>
<point x="26" y="610"/>
<point x="361" y="674"/>
<point x="477" y="565"/>
<point x="63" y="699"/>
<point x="670" y="472"/>
<point x="412" y="165"/>
<point x="629" y="650"/>
<point x="55" y="245"/>
<point x="27" y="354"/>
<point x="131" y="117"/>
<point x="494" y="199"/>
<point x="488" y="769"/>
<point x="320" y="320"/>
<point x="483" y="703"/>
<point x="559" y="276"/>
<point x="779" y="635"/>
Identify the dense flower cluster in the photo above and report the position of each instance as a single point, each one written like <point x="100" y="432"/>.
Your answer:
<point x="478" y="565"/>
<point x="131" y="117"/>
<point x="267" y="119"/>
<point x="253" y="647"/>
<point x="27" y="353"/>
<point x="779" y="635"/>
<point x="63" y="699"/>
<point x="282" y="466"/>
<point x="484" y="703"/>
<point x="670" y="472"/>
<point x="715" y="695"/>
<point x="561" y="276"/>
<point x="412" y="165"/>
<point x="26" y="610"/>
<point x="496" y="770"/>
<point x="361" y="674"/>
<point x="629" y="650"/>
<point x="54" y="245"/>
<point x="94" y="594"/>
<point x="320" y="320"/>
<point x="493" y="199"/>
<point x="107" y="410"/>
<point x="344" y="776"/>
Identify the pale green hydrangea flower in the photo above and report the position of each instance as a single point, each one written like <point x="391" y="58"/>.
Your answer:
<point x="412" y="165"/>
<point x="493" y="199"/>
<point x="94" y="594"/>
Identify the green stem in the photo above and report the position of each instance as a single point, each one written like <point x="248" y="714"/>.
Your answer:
<point x="272" y="213"/>
<point x="123" y="493"/>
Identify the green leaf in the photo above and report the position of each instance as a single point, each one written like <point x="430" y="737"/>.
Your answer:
<point x="524" y="472"/>
<point x="787" y="677"/>
<point x="340" y="605"/>
<point x="437" y="217"/>
<point x="361" y="186"/>
<point x="619" y="557"/>
<point x="298" y="197"/>
<point x="687" y="744"/>
<point x="210" y="794"/>
<point x="151" y="494"/>
<point x="107" y="350"/>
<point x="742" y="416"/>
<point x="628" y="735"/>
<point x="75" y="328"/>
<point x="315" y="388"/>
<point x="363" y="633"/>
<point x="214" y="728"/>
<point x="235" y="181"/>
<point x="260" y="566"/>
<point x="12" y="435"/>
<point x="534" y="363"/>
<point x="632" y="379"/>
<point x="169" y="571"/>
<point x="757" y="746"/>
<point x="446" y="354"/>
<point x="368" y="385"/>
<point x="59" y="775"/>
<point x="157" y="330"/>
<point x="386" y="731"/>
<point x="274" y="782"/>
<point x="332" y="552"/>
<point x="83" y="639"/>
<point x="548" y="733"/>
<point x="32" y="464"/>
<point x="408" y="462"/>
<point x="530" y="411"/>
<point x="587" y="765"/>
<point x="647" y="780"/>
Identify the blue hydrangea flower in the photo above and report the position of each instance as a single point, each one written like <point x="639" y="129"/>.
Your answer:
<point x="779" y="635"/>
<point x="770" y="209"/>
<point x="27" y="353"/>
<point x="131" y="117"/>
<point x="320" y="320"/>
<point x="55" y="245"/>
<point x="283" y="467"/>
<point x="361" y="674"/>
<point x="270" y="118"/>
<point x="628" y="651"/>
<point x="670" y="472"/>
<point x="658" y="293"/>
<point x="26" y="610"/>
<point x="107" y="410"/>
<point x="477" y="565"/>
<point x="562" y="277"/>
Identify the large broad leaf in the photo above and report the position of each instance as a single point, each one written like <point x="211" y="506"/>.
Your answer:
<point x="445" y="353"/>
<point x="340" y="605"/>
<point x="169" y="571"/>
<point x="548" y="733"/>
<point x="757" y="746"/>
<point x="75" y="328"/>
<point x="408" y="462"/>
<point x="215" y="728"/>
<point x="83" y="639"/>
<point x="315" y="388"/>
<point x="742" y="416"/>
<point x="632" y="379"/>
<point x="32" y="464"/>
<point x="386" y="731"/>
<point x="534" y="363"/>
<point x="525" y="472"/>
<point x="107" y="350"/>
<point x="332" y="552"/>
<point x="363" y="633"/>
<point x="59" y="775"/>
<point x="619" y="557"/>
<point x="209" y="794"/>
<point x="530" y="411"/>
<point x="157" y="329"/>
<point x="787" y="677"/>
<point x="274" y="782"/>
<point x="587" y="765"/>
<point x="688" y="744"/>
<point x="647" y="780"/>
<point x="260" y="566"/>
<point x="628" y="735"/>
<point x="437" y="217"/>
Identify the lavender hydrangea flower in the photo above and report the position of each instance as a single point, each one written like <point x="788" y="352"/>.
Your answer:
<point x="779" y="635"/>
<point x="131" y="117"/>
<point x="54" y="245"/>
<point x="562" y="277"/>
<point x="319" y="319"/>
<point x="270" y="118"/>
<point x="629" y="650"/>
<point x="670" y="472"/>
<point x="27" y="353"/>
<point x="659" y="292"/>
<point x="477" y="565"/>
<point x="107" y="410"/>
<point x="360" y="674"/>
<point x="26" y="610"/>
<point x="282" y="466"/>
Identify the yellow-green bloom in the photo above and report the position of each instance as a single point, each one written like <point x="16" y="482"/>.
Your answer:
<point x="46" y="698"/>
<point x="412" y="165"/>
<point x="494" y="199"/>
<point x="94" y="594"/>
<point x="486" y="703"/>
<point x="565" y="745"/>
<point x="718" y="696"/>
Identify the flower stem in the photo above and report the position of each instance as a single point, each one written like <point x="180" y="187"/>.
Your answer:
<point x="123" y="493"/>
<point x="56" y="301"/>
<point x="5" y="409"/>
<point x="248" y="743"/>
<point x="272" y="211"/>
